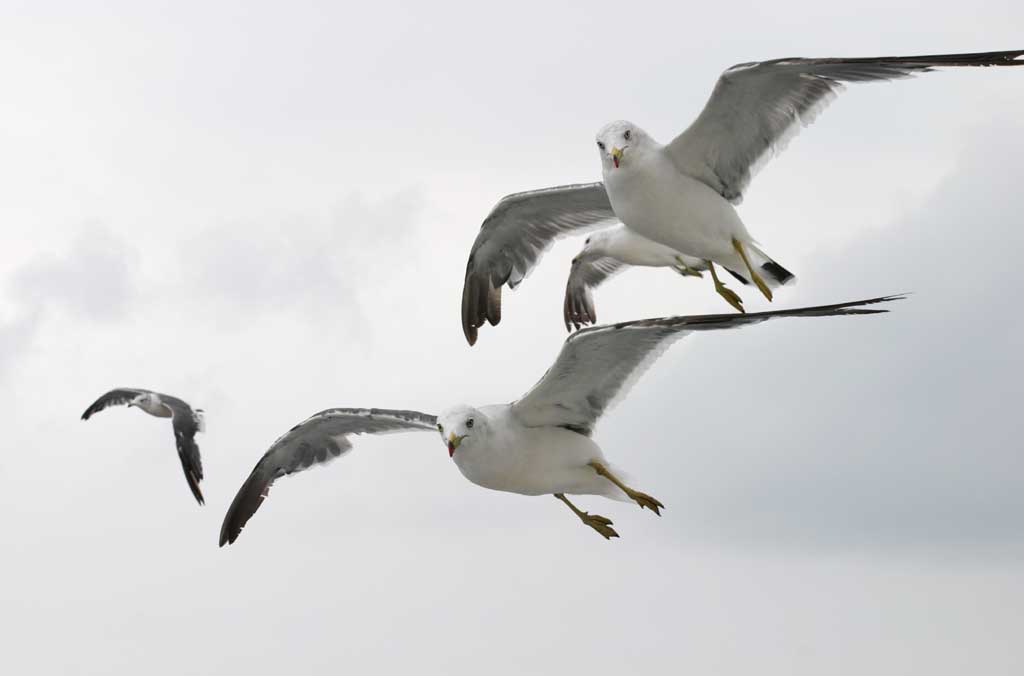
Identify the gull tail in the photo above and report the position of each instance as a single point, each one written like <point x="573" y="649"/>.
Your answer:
<point x="773" y="274"/>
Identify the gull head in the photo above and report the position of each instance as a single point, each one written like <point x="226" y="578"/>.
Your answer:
<point x="144" y="401"/>
<point x="595" y="246"/>
<point x="619" y="142"/>
<point x="461" y="426"/>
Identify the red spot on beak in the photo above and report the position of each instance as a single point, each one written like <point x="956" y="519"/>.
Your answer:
<point x="451" y="449"/>
<point x="616" y="161"/>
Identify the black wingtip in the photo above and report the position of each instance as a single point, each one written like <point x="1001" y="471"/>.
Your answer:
<point x="740" y="278"/>
<point x="248" y="499"/>
<point x="193" y="484"/>
<point x="777" y="272"/>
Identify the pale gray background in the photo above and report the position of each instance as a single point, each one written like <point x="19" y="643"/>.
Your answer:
<point x="266" y="210"/>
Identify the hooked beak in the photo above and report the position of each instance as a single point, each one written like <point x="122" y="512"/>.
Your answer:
<point x="616" y="155"/>
<point x="453" y="443"/>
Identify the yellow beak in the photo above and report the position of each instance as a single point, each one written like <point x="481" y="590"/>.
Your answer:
<point x="453" y="442"/>
<point x="616" y="155"/>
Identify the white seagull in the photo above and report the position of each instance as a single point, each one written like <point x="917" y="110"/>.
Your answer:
<point x="680" y="195"/>
<point x="185" y="420"/>
<point x="538" y="445"/>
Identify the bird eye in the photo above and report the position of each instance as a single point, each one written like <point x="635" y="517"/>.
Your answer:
<point x="600" y="145"/>
<point x="469" y="424"/>
<point x="440" y="428"/>
<point x="586" y="241"/>
<point x="626" y="135"/>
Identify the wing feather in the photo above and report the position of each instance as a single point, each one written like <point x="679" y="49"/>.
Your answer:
<point x="585" y="275"/>
<point x="756" y="108"/>
<point x="116" y="397"/>
<point x="317" y="440"/>
<point x="514" y="237"/>
<point x="597" y="366"/>
<point x="186" y="422"/>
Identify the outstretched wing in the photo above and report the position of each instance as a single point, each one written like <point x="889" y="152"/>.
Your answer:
<point x="317" y="440"/>
<point x="598" y="365"/>
<point x="186" y="422"/>
<point x="516" y="234"/>
<point x="756" y="108"/>
<point x="586" y="273"/>
<point x="119" y="397"/>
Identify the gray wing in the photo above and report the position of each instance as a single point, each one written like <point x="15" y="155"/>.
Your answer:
<point x="319" y="439"/>
<point x="118" y="397"/>
<point x="598" y="365"/>
<point x="186" y="423"/>
<point x="578" y="309"/>
<point x="756" y="108"/>
<point x="515" y="235"/>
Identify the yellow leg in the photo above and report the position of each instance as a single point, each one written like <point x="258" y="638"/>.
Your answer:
<point x="639" y="498"/>
<point x="736" y="244"/>
<point x="599" y="523"/>
<point x="685" y="270"/>
<point x="728" y="294"/>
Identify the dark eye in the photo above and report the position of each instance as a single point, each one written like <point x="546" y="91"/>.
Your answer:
<point x="626" y="135"/>
<point x="587" y="241"/>
<point x="440" y="429"/>
<point x="469" y="424"/>
<point x="600" y="145"/>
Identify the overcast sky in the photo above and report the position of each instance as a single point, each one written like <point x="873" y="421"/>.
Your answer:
<point x="267" y="211"/>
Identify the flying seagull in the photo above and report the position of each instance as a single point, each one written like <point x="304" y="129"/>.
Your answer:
<point x="538" y="445"/>
<point x="522" y="226"/>
<point x="682" y="195"/>
<point x="185" y="420"/>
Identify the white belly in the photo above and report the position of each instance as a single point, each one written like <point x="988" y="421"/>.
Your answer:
<point x="534" y="461"/>
<point x="660" y="203"/>
<point x="632" y="248"/>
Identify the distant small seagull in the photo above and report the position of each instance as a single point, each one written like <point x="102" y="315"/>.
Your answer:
<point x="679" y="195"/>
<point x="538" y="445"/>
<point x="185" y="420"/>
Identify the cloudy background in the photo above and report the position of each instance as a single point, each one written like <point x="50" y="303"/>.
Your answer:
<point x="266" y="211"/>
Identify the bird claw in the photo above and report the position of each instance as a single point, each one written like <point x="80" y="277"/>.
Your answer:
<point x="685" y="270"/>
<point x="730" y="296"/>
<point x="647" y="501"/>
<point x="688" y="272"/>
<point x="601" y="524"/>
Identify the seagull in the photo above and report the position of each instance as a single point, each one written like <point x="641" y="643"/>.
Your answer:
<point x="683" y="195"/>
<point x="523" y="226"/>
<point x="606" y="253"/>
<point x="185" y="420"/>
<point x="538" y="445"/>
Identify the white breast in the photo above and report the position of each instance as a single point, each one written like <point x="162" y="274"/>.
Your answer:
<point x="530" y="460"/>
<point x="653" y="198"/>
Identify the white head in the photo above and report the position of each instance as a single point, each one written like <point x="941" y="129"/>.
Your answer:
<point x="144" y="401"/>
<point x="594" y="246"/>
<point x="619" y="142"/>
<point x="462" y="426"/>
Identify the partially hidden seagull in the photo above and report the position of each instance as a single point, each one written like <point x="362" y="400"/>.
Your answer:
<point x="185" y="420"/>
<point x="538" y="445"/>
<point x="681" y="195"/>
<point x="522" y="227"/>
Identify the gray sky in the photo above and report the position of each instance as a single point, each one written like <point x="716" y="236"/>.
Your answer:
<point x="266" y="211"/>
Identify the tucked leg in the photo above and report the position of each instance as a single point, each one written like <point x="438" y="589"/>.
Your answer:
<point x="639" y="498"/>
<point x="684" y="269"/>
<point x="599" y="523"/>
<point x="736" y="244"/>
<point x="728" y="294"/>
